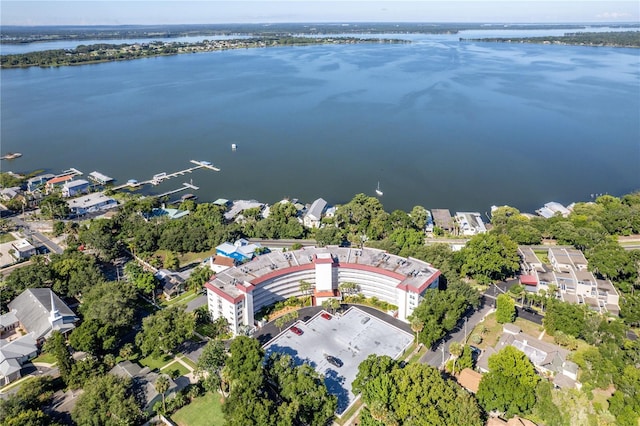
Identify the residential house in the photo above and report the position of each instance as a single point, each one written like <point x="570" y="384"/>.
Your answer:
<point x="38" y="182"/>
<point x="220" y="263"/>
<point x="553" y="208"/>
<point x="239" y="206"/>
<point x="57" y="182"/>
<point x="14" y="354"/>
<point x="41" y="312"/>
<point x="548" y="359"/>
<point x="144" y="380"/>
<point x="89" y="203"/>
<point x="73" y="188"/>
<point x="168" y="213"/>
<point x="313" y="216"/>
<point x="470" y="223"/>
<point x="469" y="379"/>
<point x="8" y="194"/>
<point x="172" y="282"/>
<point x="443" y="219"/>
<point x="22" y="249"/>
<point x="241" y="251"/>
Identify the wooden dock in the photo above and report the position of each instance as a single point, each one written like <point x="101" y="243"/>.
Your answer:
<point x="160" y="177"/>
<point x="185" y="186"/>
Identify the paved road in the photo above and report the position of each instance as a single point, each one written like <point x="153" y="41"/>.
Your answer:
<point x="435" y="357"/>
<point x="37" y="236"/>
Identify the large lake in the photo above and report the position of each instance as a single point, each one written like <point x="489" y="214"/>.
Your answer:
<point x="438" y="122"/>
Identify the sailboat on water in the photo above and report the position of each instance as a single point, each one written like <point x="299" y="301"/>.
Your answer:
<point x="378" y="190"/>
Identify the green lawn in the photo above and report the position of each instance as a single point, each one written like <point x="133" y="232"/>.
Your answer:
<point x="203" y="411"/>
<point x="175" y="366"/>
<point x="188" y="362"/>
<point x="184" y="298"/>
<point x="189" y="258"/>
<point x="5" y="237"/>
<point x="155" y="363"/>
<point x="45" y="357"/>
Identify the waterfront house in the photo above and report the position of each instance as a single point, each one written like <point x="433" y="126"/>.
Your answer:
<point x="89" y="203"/>
<point x="443" y="219"/>
<point x="57" y="182"/>
<point x="38" y="182"/>
<point x="75" y="187"/>
<point x="313" y="216"/>
<point x="551" y="209"/>
<point x="470" y="223"/>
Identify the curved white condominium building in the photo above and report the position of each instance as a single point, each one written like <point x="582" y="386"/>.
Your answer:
<point x="237" y="293"/>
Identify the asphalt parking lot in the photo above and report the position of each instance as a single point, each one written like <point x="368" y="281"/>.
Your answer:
<point x="349" y="338"/>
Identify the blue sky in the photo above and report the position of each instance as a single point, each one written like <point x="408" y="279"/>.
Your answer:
<point x="121" y="12"/>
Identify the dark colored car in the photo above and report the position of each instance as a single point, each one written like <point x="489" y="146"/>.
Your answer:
<point x="325" y="316"/>
<point x="333" y="361"/>
<point x="296" y="330"/>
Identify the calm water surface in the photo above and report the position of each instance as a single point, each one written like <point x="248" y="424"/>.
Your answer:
<point x="439" y="123"/>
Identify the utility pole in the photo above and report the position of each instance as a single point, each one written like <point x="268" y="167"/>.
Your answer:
<point x="465" y="329"/>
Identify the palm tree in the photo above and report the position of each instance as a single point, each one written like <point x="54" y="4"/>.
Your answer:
<point x="162" y="385"/>
<point x="455" y="349"/>
<point x="305" y="288"/>
<point x="417" y="325"/>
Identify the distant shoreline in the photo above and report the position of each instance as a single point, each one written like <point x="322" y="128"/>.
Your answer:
<point x="99" y="53"/>
<point x="628" y="39"/>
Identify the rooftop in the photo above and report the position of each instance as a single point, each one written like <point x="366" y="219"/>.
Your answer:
<point x="410" y="272"/>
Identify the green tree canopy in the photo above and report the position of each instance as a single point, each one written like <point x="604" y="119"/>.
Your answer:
<point x="510" y="385"/>
<point x="418" y="395"/>
<point x="106" y="400"/>
<point x="505" y="309"/>
<point x="165" y="330"/>
<point x="490" y="257"/>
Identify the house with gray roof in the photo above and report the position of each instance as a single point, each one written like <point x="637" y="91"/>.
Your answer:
<point x="548" y="359"/>
<point x="144" y="380"/>
<point x="313" y="216"/>
<point x="13" y="355"/>
<point x="41" y="312"/>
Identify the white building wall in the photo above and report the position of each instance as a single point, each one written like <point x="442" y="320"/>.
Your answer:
<point x="323" y="277"/>
<point x="220" y="307"/>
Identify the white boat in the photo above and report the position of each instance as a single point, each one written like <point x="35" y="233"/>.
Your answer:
<point x="378" y="190"/>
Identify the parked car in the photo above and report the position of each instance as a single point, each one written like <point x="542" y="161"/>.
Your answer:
<point x="326" y="316"/>
<point x="333" y="361"/>
<point x="296" y="330"/>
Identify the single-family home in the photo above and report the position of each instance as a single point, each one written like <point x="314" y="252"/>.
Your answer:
<point x="144" y="380"/>
<point x="22" y="249"/>
<point x="443" y="219"/>
<point x="14" y="354"/>
<point x="470" y="223"/>
<point x="241" y="251"/>
<point x="313" y="216"/>
<point x="218" y="264"/>
<point x="89" y="203"/>
<point x="58" y="181"/>
<point x="38" y="182"/>
<point x="547" y="358"/>
<point x="76" y="187"/>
